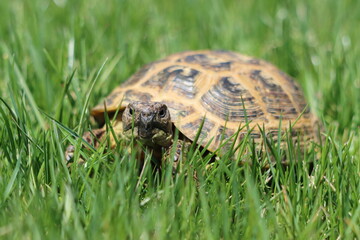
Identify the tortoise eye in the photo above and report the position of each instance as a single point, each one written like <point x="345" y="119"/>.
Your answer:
<point x="131" y="111"/>
<point x="162" y="113"/>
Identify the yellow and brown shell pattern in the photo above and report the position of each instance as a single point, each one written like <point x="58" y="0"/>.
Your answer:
<point x="228" y="88"/>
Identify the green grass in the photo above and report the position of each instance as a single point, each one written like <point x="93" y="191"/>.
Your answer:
<point x="59" y="58"/>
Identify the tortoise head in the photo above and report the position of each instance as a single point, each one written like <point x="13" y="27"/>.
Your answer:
<point x="149" y="122"/>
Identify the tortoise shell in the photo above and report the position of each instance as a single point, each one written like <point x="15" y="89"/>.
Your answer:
<point x="221" y="89"/>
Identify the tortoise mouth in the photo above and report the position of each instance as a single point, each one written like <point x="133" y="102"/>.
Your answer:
<point x="145" y="134"/>
<point x="148" y="133"/>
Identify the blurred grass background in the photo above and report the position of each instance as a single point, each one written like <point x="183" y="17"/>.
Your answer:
<point x="52" y="52"/>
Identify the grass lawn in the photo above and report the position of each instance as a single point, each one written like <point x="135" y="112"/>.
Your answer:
<point x="59" y="58"/>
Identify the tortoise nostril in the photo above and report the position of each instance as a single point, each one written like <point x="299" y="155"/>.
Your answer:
<point x="145" y="115"/>
<point x="147" y="118"/>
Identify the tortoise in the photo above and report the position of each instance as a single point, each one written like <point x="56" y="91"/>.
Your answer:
<point x="213" y="92"/>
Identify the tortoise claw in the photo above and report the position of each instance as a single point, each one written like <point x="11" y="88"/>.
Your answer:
<point x="69" y="153"/>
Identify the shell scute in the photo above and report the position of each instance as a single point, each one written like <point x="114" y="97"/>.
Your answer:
<point x="231" y="101"/>
<point x="133" y="95"/>
<point x="138" y="75"/>
<point x="222" y="134"/>
<point x="207" y="126"/>
<point x="207" y="61"/>
<point x="180" y="79"/>
<point x="278" y="102"/>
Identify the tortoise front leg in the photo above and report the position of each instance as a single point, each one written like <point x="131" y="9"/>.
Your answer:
<point x="177" y="157"/>
<point x="94" y="138"/>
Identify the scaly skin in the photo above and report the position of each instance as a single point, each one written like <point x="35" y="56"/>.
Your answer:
<point x="179" y="154"/>
<point x="149" y="123"/>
